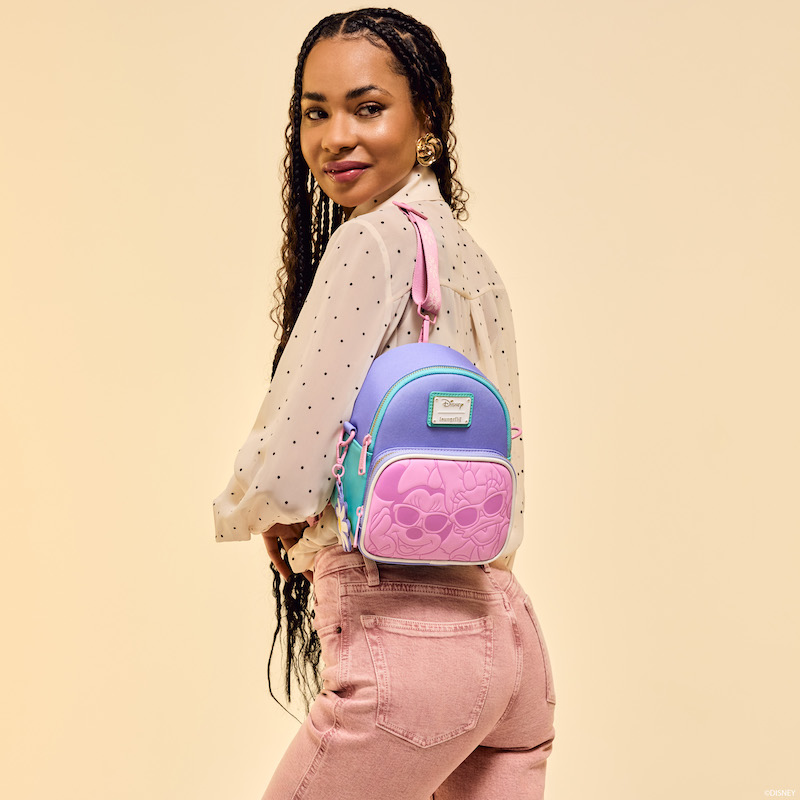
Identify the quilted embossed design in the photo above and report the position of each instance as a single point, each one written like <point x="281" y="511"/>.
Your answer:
<point x="439" y="509"/>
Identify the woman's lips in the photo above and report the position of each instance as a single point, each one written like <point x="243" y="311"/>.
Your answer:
<point x="345" y="171"/>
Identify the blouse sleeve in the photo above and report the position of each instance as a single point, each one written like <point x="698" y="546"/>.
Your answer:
<point x="282" y="473"/>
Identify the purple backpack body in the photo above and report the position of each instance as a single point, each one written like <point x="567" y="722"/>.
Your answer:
<point x="423" y="470"/>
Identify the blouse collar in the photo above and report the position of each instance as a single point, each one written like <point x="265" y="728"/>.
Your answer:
<point x="421" y="185"/>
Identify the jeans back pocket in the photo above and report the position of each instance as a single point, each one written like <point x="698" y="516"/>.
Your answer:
<point x="432" y="677"/>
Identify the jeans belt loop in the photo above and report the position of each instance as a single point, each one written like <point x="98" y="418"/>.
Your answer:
<point x="373" y="575"/>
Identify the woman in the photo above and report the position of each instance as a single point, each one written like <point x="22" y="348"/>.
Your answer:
<point x="436" y="679"/>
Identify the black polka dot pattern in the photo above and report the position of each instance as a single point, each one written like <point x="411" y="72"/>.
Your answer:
<point x="360" y="306"/>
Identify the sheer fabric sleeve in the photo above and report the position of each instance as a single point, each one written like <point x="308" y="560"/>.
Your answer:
<point x="282" y="473"/>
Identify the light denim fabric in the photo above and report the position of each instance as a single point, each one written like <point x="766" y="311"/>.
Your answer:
<point x="437" y="682"/>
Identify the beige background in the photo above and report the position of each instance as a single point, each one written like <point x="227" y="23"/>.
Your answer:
<point x="634" y="172"/>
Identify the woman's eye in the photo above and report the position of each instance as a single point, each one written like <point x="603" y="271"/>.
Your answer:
<point x="369" y="110"/>
<point x="314" y="114"/>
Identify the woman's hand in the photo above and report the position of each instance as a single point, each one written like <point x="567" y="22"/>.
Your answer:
<point x="288" y="536"/>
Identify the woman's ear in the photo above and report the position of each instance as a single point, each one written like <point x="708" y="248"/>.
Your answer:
<point x="425" y="125"/>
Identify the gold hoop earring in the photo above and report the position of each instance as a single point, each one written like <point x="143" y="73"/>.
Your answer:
<point x="429" y="150"/>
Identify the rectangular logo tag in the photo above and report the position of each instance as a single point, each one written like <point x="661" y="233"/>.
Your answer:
<point x="450" y="409"/>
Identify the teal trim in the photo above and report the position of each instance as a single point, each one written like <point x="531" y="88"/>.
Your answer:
<point x="353" y="484"/>
<point x="421" y="373"/>
<point x="432" y="424"/>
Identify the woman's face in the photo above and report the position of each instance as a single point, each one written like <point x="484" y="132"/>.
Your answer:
<point x="359" y="128"/>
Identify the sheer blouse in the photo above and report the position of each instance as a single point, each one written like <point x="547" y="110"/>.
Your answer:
<point x="358" y="307"/>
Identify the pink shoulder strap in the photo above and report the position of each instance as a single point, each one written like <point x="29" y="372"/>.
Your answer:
<point x="425" y="289"/>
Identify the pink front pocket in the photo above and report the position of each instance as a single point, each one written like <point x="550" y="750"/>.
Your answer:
<point x="438" y="510"/>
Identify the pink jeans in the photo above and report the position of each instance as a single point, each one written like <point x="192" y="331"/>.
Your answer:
<point x="437" y="683"/>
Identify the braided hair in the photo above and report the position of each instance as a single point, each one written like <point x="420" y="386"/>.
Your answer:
<point x="310" y="218"/>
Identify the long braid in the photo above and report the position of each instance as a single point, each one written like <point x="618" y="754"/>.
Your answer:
<point x="325" y="231"/>
<point x="310" y="219"/>
<point x="297" y="270"/>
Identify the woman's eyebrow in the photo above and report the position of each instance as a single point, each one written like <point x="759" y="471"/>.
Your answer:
<point x="353" y="94"/>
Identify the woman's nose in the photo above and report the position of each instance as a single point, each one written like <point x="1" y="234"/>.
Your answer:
<point x="339" y="134"/>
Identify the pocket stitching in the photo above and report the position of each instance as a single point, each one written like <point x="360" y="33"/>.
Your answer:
<point x="376" y="648"/>
<point x="550" y="694"/>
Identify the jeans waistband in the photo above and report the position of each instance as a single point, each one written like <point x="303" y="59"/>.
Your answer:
<point x="334" y="559"/>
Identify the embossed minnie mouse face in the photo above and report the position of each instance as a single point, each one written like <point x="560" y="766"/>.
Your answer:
<point x="413" y="526"/>
<point x="478" y="500"/>
<point x="439" y="508"/>
<point x="359" y="127"/>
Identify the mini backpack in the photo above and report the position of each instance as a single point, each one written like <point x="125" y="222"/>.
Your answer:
<point x="423" y="471"/>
